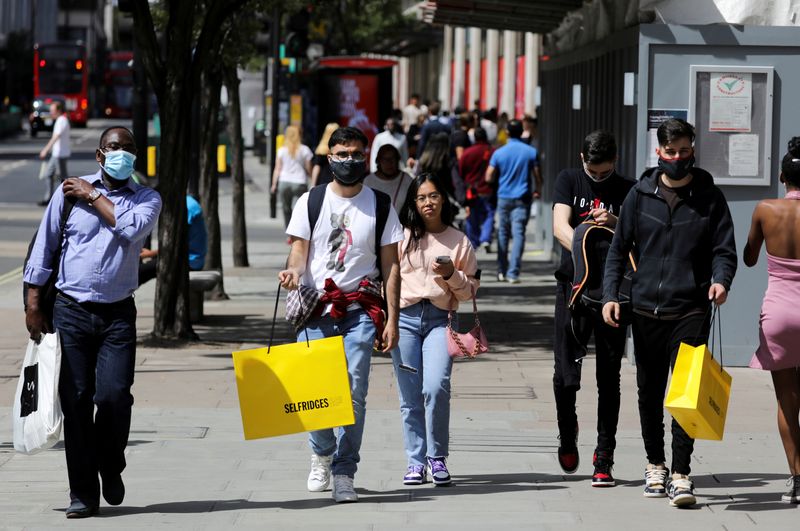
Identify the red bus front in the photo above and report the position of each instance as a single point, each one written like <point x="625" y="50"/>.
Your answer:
<point x="119" y="85"/>
<point x="60" y="72"/>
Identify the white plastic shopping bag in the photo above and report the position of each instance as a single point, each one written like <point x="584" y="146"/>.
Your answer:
<point x="37" y="409"/>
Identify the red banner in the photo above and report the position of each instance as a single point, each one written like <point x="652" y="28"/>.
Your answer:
<point x="358" y="103"/>
<point x="519" y="97"/>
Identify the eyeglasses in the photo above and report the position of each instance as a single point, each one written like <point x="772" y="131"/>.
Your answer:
<point x="342" y="156"/>
<point x="113" y="146"/>
<point x="434" y="197"/>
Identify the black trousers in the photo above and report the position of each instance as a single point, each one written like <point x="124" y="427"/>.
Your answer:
<point x="657" y="344"/>
<point x="568" y="357"/>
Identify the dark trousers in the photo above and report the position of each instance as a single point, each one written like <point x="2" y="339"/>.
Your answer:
<point x="98" y="353"/>
<point x="657" y="344"/>
<point x="568" y="354"/>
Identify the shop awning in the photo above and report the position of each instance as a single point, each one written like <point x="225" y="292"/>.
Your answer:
<point x="536" y="16"/>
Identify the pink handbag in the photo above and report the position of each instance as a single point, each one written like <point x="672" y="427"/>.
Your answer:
<point x="470" y="344"/>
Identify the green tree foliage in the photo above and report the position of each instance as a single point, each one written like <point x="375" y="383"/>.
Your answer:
<point x="352" y="27"/>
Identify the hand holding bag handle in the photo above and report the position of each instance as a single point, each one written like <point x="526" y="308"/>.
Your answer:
<point x="275" y="314"/>
<point x="471" y="343"/>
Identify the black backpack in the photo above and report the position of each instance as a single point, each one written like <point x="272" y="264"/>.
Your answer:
<point x="590" y="245"/>
<point x="382" y="204"/>
<point x="47" y="292"/>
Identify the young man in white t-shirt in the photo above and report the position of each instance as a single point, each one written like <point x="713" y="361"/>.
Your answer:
<point x="339" y="253"/>
<point x="59" y="144"/>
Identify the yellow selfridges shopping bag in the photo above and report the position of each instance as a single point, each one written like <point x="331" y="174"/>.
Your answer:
<point x="293" y="388"/>
<point x="698" y="393"/>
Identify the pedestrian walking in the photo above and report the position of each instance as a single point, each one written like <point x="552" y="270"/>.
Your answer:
<point x="595" y="193"/>
<point x="392" y="134"/>
<point x="459" y="138"/>
<point x="514" y="166"/>
<point x="679" y="223"/>
<point x="481" y="197"/>
<point x="94" y="314"/>
<point x="292" y="171"/>
<point x="336" y="256"/>
<point x="59" y="148"/>
<point x="776" y="224"/>
<point x="437" y="123"/>
<point x="436" y="160"/>
<point x="389" y="178"/>
<point x="320" y="169"/>
<point x="412" y="112"/>
<point x="438" y="269"/>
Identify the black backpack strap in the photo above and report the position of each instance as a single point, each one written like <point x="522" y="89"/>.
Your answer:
<point x="382" y="204"/>
<point x="315" y="198"/>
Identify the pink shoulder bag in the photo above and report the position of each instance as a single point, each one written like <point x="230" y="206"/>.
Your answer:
<point x="469" y="344"/>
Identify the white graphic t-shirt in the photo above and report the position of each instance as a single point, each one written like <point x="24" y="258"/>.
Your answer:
<point x="342" y="247"/>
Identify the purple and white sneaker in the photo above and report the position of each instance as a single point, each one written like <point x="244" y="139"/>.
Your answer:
<point x="415" y="475"/>
<point x="439" y="472"/>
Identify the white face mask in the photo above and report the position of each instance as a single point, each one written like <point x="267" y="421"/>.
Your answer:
<point x="599" y="177"/>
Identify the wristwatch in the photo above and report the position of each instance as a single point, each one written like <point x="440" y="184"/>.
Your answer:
<point x="94" y="195"/>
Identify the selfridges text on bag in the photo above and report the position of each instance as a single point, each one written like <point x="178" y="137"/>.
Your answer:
<point x="37" y="408"/>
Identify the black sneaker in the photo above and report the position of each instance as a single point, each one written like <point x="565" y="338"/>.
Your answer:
<point x="793" y="496"/>
<point x="603" y="463"/>
<point x="681" y="491"/>
<point x="655" y="481"/>
<point x="568" y="457"/>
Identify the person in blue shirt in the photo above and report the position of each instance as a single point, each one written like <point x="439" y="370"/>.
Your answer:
<point x="94" y="313"/>
<point x="512" y="167"/>
<point x="198" y="244"/>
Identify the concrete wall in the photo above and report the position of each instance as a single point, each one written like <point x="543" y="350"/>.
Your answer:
<point x="665" y="55"/>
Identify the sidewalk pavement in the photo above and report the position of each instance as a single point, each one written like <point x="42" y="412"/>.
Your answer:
<point x="189" y="466"/>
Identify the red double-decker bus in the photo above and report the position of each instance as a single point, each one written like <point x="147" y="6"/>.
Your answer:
<point x="119" y="85"/>
<point x="60" y="72"/>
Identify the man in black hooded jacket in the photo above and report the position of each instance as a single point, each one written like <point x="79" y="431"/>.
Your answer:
<point x="678" y="224"/>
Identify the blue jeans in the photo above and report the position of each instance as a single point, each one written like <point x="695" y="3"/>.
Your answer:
<point x="480" y="222"/>
<point x="358" y="332"/>
<point x="98" y="355"/>
<point x="513" y="217"/>
<point x="425" y="394"/>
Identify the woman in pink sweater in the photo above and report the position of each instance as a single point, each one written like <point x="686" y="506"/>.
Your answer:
<point x="437" y="270"/>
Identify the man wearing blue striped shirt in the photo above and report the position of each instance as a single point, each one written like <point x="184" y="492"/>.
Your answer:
<point x="94" y="313"/>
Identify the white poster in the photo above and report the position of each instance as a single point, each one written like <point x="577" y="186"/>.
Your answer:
<point x="731" y="102"/>
<point x="743" y="155"/>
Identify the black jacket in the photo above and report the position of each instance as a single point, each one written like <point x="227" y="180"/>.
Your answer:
<point x="680" y="252"/>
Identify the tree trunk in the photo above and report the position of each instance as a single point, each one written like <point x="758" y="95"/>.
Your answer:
<point x="210" y="85"/>
<point x="171" y="81"/>
<point x="237" y="168"/>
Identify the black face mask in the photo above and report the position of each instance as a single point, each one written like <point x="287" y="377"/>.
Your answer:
<point x="676" y="169"/>
<point x="349" y="172"/>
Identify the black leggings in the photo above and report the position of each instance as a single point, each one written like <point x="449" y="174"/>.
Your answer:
<point x="657" y="344"/>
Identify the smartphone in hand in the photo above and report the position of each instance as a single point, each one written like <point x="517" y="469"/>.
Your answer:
<point x="443" y="259"/>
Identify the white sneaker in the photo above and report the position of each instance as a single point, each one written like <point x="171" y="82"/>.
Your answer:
<point x="655" y="481"/>
<point x="343" y="491"/>
<point x="320" y="476"/>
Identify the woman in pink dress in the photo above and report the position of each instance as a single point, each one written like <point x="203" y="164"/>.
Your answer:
<point x="777" y="222"/>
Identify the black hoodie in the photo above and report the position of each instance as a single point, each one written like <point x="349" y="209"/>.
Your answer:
<point x="679" y="252"/>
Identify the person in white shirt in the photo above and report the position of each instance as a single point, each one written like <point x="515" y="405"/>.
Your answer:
<point x="59" y="149"/>
<point x="292" y="171"/>
<point x="411" y="112"/>
<point x="336" y="256"/>
<point x="392" y="134"/>
<point x="389" y="178"/>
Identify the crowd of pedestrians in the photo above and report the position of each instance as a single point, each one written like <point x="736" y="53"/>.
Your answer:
<point x="375" y="247"/>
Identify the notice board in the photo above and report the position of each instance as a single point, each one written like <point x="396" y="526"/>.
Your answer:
<point x="731" y="109"/>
